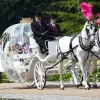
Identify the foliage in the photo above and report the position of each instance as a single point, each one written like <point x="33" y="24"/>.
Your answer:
<point x="56" y="77"/>
<point x="68" y="12"/>
<point x="5" y="79"/>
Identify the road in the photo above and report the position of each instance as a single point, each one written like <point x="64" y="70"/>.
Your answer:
<point x="51" y="92"/>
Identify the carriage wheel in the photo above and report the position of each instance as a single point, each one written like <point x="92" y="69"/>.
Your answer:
<point x="39" y="75"/>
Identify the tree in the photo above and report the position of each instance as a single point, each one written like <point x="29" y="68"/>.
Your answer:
<point x="69" y="15"/>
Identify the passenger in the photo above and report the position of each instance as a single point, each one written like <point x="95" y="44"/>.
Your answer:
<point x="5" y="39"/>
<point x="39" y="27"/>
<point x="53" y="29"/>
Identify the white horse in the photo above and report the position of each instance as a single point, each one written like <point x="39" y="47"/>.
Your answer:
<point x="96" y="50"/>
<point x="94" y="57"/>
<point x="78" y="48"/>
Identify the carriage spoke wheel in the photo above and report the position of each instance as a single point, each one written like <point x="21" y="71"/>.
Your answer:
<point x="39" y="75"/>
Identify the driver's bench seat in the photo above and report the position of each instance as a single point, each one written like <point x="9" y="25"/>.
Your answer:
<point x="53" y="49"/>
<point x="52" y="52"/>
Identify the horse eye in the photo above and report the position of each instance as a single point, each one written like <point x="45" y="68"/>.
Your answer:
<point x="95" y="29"/>
<point x="87" y="30"/>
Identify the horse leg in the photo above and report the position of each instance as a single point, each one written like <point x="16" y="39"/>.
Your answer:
<point x="61" y="71"/>
<point x="80" y="84"/>
<point x="87" y="70"/>
<point x="82" y="64"/>
<point x="94" y="73"/>
<point x="73" y="73"/>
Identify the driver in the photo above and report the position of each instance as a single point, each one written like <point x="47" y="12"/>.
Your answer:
<point x="39" y="27"/>
<point x="53" y="32"/>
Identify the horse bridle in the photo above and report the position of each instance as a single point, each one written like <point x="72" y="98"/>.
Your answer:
<point x="91" y="44"/>
<point x="87" y="31"/>
<point x="98" y="42"/>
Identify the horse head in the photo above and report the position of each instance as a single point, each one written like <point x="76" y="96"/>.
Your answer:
<point x="88" y="32"/>
<point x="91" y="30"/>
<point x="97" y="37"/>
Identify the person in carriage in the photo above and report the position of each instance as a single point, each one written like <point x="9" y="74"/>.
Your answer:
<point x="43" y="32"/>
<point x="39" y="28"/>
<point x="54" y="30"/>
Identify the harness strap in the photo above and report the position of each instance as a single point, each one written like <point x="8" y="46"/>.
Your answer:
<point x="84" y="48"/>
<point x="63" y="56"/>
<point x="94" y="54"/>
<point x="81" y="44"/>
<point x="55" y="64"/>
<point x="98" y="42"/>
<point x="71" y="48"/>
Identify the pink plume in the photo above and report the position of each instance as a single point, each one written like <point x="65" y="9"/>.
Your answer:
<point x="98" y="15"/>
<point x="86" y="10"/>
<point x="98" y="21"/>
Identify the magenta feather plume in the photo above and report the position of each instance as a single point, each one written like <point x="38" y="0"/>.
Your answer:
<point x="86" y="10"/>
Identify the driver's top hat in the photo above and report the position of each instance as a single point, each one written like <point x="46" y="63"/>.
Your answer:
<point x="38" y="14"/>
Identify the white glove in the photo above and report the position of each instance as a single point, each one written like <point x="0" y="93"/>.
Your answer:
<point x="57" y="38"/>
<point x="42" y="33"/>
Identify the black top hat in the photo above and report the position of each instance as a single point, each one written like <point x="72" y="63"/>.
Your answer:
<point x="53" y="16"/>
<point x="38" y="14"/>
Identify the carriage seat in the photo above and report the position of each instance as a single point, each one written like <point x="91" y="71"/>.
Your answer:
<point x="52" y="52"/>
<point x="52" y="48"/>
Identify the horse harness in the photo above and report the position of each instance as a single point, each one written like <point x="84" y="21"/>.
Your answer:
<point x="98" y="42"/>
<point x="81" y="45"/>
<point x="64" y="55"/>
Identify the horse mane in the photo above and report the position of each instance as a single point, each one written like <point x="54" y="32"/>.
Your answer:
<point x="84" y="27"/>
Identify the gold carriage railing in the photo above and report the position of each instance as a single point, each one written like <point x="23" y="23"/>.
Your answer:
<point x="26" y="20"/>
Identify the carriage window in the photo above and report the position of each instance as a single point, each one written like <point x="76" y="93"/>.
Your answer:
<point x="20" y="38"/>
<point x="6" y="37"/>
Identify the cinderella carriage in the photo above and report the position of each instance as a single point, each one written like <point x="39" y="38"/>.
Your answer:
<point x="22" y="60"/>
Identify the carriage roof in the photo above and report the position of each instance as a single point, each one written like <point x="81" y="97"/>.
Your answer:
<point x="19" y="28"/>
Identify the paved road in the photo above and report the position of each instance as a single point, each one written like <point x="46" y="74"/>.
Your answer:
<point x="44" y="97"/>
<point x="51" y="92"/>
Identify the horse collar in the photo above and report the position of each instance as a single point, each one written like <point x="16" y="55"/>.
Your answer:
<point x="82" y="45"/>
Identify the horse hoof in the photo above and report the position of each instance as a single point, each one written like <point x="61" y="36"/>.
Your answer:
<point x="89" y="85"/>
<point x="61" y="88"/>
<point x="88" y="88"/>
<point x="94" y="86"/>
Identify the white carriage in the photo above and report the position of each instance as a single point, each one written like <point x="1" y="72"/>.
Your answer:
<point x="22" y="60"/>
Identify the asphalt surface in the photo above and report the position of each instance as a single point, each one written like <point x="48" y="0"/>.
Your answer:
<point x="15" y="91"/>
<point x="43" y="97"/>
